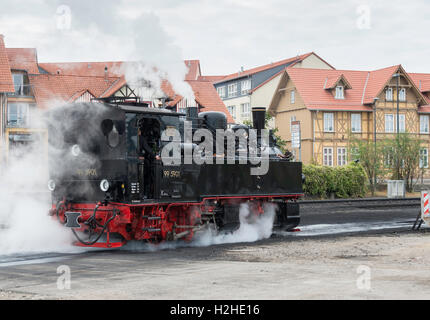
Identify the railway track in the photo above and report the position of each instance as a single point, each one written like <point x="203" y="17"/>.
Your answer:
<point x="326" y="218"/>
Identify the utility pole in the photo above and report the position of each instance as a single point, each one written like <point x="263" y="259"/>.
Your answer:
<point x="375" y="100"/>
<point x="397" y="76"/>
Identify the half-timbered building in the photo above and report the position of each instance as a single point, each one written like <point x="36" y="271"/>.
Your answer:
<point x="334" y="106"/>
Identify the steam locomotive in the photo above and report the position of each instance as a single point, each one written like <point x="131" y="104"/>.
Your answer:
<point x="110" y="185"/>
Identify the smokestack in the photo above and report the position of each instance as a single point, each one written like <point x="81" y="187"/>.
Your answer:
<point x="259" y="117"/>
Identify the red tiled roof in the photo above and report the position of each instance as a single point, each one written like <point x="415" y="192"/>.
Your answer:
<point x="333" y="81"/>
<point x="377" y="80"/>
<point x="212" y="79"/>
<point x="207" y="96"/>
<point x="364" y="87"/>
<point x="114" y="68"/>
<point x="48" y="88"/>
<point x="422" y="81"/>
<point x="265" y="67"/>
<point x="23" y="59"/>
<point x="204" y="91"/>
<point x="96" y="69"/>
<point x="310" y="86"/>
<point x="6" y="81"/>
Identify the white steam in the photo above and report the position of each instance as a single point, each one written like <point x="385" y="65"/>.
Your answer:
<point x="24" y="204"/>
<point x="253" y="227"/>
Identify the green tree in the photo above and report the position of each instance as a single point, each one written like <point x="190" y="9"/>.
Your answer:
<point x="370" y="156"/>
<point x="403" y="155"/>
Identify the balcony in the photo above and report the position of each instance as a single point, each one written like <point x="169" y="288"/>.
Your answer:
<point x="22" y="90"/>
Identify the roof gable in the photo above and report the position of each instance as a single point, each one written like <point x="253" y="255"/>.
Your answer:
<point x="255" y="70"/>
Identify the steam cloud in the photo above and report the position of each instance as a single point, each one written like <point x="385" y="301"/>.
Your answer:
<point x="253" y="227"/>
<point x="24" y="204"/>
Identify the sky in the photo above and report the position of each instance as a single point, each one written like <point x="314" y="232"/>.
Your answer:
<point x="223" y="34"/>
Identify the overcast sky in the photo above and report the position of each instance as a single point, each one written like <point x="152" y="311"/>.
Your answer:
<point x="223" y="34"/>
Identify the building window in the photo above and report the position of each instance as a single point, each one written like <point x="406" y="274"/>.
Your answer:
<point x="389" y="94"/>
<point x="402" y="123"/>
<point x="356" y="122"/>
<point x="18" y="114"/>
<point x="244" y="108"/>
<point x="245" y="86"/>
<point x="221" y="91"/>
<point x="232" y="90"/>
<point x="232" y="110"/>
<point x="328" y="122"/>
<point x="328" y="157"/>
<point x="339" y="92"/>
<point x="424" y="124"/>
<point x="402" y="94"/>
<point x="389" y="123"/>
<point x="293" y="96"/>
<point x="424" y="158"/>
<point x="341" y="156"/>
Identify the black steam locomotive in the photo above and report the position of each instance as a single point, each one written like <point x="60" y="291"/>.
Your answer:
<point x="110" y="184"/>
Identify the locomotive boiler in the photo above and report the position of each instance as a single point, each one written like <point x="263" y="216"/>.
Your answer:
<point x="110" y="185"/>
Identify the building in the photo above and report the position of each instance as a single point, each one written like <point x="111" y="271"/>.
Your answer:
<point x="334" y="106"/>
<point x="243" y="90"/>
<point x="27" y="85"/>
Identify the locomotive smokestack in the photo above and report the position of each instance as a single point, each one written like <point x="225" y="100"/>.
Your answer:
<point x="259" y="117"/>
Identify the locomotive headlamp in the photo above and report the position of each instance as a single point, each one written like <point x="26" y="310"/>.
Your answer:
<point x="76" y="151"/>
<point x="51" y="185"/>
<point x="104" y="185"/>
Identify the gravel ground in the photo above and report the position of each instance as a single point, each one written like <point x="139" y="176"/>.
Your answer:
<point x="391" y="266"/>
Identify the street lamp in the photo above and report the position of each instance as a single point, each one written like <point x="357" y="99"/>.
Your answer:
<point x="375" y="100"/>
<point x="397" y="76"/>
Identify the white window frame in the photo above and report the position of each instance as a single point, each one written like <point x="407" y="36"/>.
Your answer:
<point x="328" y="156"/>
<point x="424" y="158"/>
<point x="389" y="94"/>
<point x="232" y="90"/>
<point x="328" y="118"/>
<point x="402" y="94"/>
<point x="245" y="86"/>
<point x="221" y="91"/>
<point x="232" y="110"/>
<point x="389" y="128"/>
<point x="356" y="123"/>
<point x="402" y="122"/>
<point x="424" y="124"/>
<point x="340" y="92"/>
<point x="341" y="156"/>
<point x="293" y="96"/>
<point x="245" y="110"/>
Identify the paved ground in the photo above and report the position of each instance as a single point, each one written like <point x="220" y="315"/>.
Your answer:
<point x="350" y="262"/>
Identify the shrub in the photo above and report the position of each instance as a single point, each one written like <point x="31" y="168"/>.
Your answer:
<point x="345" y="182"/>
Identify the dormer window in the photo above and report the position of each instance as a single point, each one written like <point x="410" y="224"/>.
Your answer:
<point x="340" y="92"/>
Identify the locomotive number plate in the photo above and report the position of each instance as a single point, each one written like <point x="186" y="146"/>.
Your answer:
<point x="72" y="219"/>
